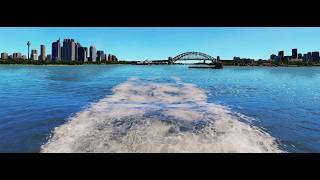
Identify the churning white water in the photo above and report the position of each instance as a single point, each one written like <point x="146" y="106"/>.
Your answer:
<point x="144" y="116"/>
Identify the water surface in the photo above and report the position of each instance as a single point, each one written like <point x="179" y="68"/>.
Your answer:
<point x="126" y="108"/>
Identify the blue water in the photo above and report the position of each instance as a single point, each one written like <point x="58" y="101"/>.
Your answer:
<point x="284" y="102"/>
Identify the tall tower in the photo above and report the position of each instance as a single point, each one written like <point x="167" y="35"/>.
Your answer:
<point x="43" y="52"/>
<point x="56" y="51"/>
<point x="93" y="53"/>
<point x="28" y="44"/>
<point x="294" y="54"/>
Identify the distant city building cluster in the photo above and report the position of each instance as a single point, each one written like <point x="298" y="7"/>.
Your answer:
<point x="295" y="56"/>
<point x="67" y="52"/>
<point x="243" y="60"/>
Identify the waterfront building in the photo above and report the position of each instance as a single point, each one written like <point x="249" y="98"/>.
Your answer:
<point x="309" y="56"/>
<point x="42" y="52"/>
<point x="300" y="56"/>
<point x="294" y="54"/>
<point x="114" y="58"/>
<point x="86" y="54"/>
<point x="10" y="57"/>
<point x="93" y="53"/>
<point x="34" y="54"/>
<point x="109" y="57"/>
<point x="24" y="57"/>
<point x="4" y="56"/>
<point x="56" y="51"/>
<point x="247" y="60"/>
<point x="273" y="57"/>
<point x="287" y="58"/>
<point x="281" y="55"/>
<point x="236" y="58"/>
<point x="218" y="58"/>
<point x="68" y="50"/>
<point x="315" y="56"/>
<point x="77" y="45"/>
<point x="305" y="57"/>
<point x="82" y="54"/>
<point x="100" y="55"/>
<point x="16" y="55"/>
<point x="49" y="57"/>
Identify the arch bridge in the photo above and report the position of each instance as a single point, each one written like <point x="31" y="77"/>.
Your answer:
<point x="192" y="56"/>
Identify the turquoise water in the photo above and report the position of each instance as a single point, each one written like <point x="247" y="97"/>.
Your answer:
<point x="127" y="108"/>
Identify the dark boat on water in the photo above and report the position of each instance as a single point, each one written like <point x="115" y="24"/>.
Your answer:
<point x="217" y="65"/>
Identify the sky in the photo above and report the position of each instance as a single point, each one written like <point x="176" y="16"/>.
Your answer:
<point x="140" y="43"/>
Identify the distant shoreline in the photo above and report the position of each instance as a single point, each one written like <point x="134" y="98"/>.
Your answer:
<point x="225" y="63"/>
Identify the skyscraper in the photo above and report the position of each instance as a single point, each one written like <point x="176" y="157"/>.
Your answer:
<point x="28" y="44"/>
<point x="34" y="54"/>
<point x="93" y="53"/>
<point x="4" y="56"/>
<point x="309" y="56"/>
<point x="100" y="55"/>
<point x="273" y="57"/>
<point x="86" y="56"/>
<point x="82" y="54"/>
<point x="315" y="56"/>
<point x="68" y="50"/>
<point x="16" y="55"/>
<point x="77" y="45"/>
<point x="294" y="54"/>
<point x="42" y="52"/>
<point x="56" y="51"/>
<point x="49" y="57"/>
<point x="281" y="55"/>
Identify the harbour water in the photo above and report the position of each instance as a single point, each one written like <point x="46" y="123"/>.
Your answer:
<point x="159" y="108"/>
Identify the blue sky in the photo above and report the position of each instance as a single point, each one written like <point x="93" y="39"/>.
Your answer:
<point x="133" y="43"/>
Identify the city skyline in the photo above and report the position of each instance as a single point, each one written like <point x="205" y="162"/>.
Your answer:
<point x="159" y="43"/>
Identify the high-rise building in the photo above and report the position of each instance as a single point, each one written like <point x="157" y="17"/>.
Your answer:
<point x="16" y="55"/>
<point x="273" y="57"/>
<point x="281" y="55"/>
<point x="86" y="54"/>
<point x="49" y="57"/>
<point x="4" y="56"/>
<point x="100" y="55"/>
<point x="68" y="50"/>
<point x="82" y="54"/>
<point x="309" y="56"/>
<point x="24" y="57"/>
<point x="315" y="56"/>
<point x="93" y="53"/>
<point x="294" y="54"/>
<point x="287" y="58"/>
<point x="109" y="57"/>
<point x="42" y="52"/>
<point x="114" y="58"/>
<point x="56" y="51"/>
<point x="34" y="54"/>
<point x="305" y="57"/>
<point x="77" y="45"/>
<point x="300" y="56"/>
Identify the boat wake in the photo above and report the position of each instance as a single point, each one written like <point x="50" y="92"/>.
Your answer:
<point x="144" y="116"/>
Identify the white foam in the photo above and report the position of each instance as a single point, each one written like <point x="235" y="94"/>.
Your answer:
<point x="143" y="116"/>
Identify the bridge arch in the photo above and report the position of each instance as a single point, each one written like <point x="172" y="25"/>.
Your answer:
<point x="193" y="56"/>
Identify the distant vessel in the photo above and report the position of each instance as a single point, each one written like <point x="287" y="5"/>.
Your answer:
<point x="217" y="65"/>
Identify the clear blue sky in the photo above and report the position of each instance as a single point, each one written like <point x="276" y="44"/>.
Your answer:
<point x="133" y="43"/>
